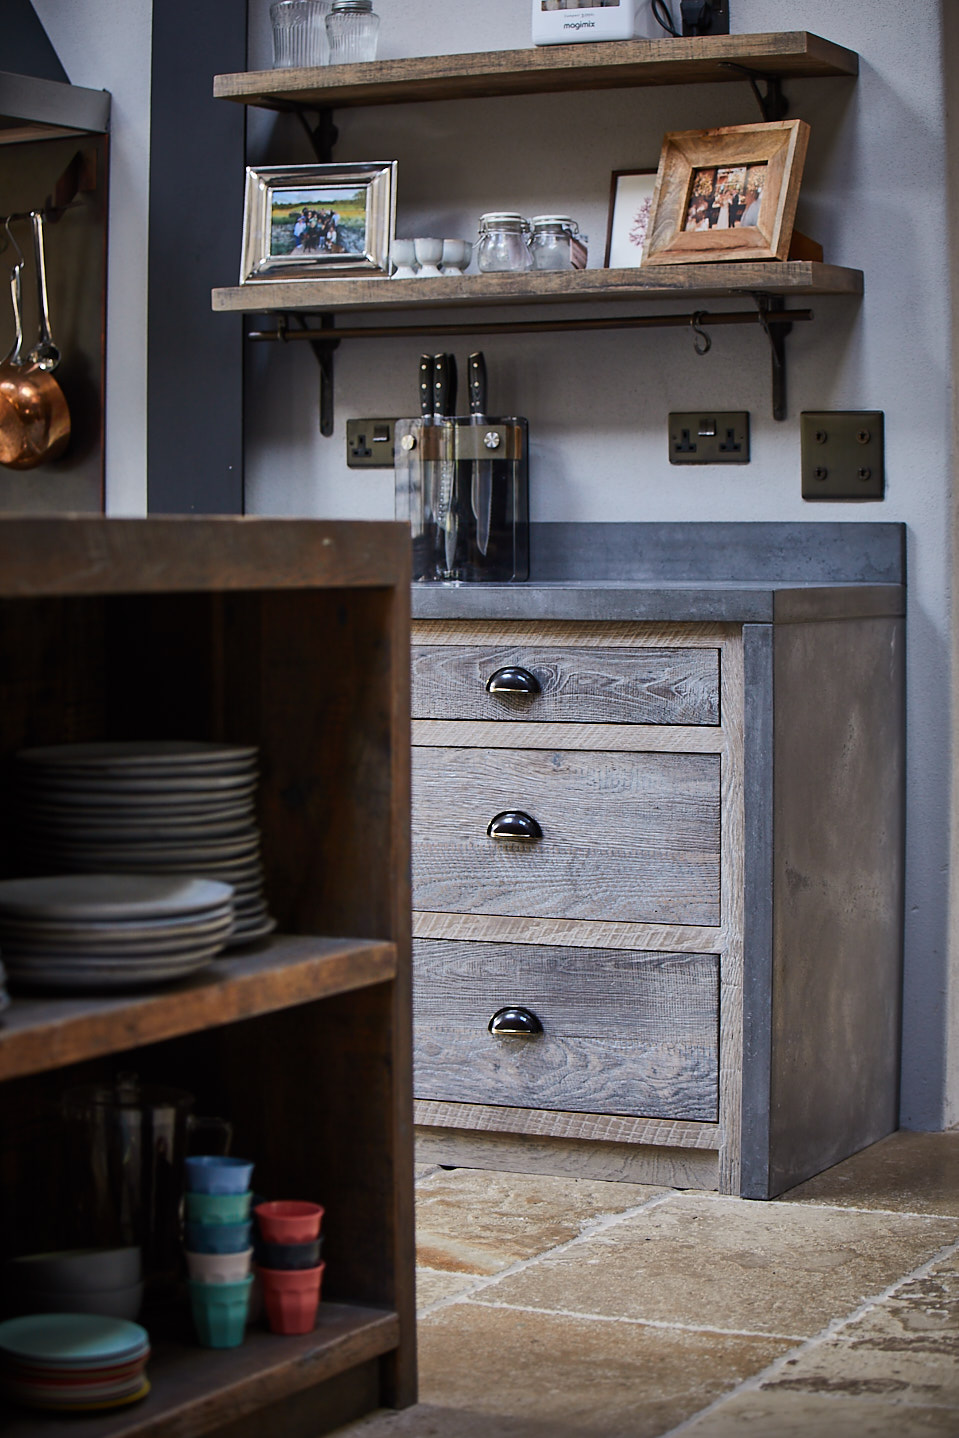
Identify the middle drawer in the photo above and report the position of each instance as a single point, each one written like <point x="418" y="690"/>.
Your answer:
<point x="625" y="836"/>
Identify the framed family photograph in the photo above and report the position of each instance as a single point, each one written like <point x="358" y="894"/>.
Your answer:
<point x="318" y="221"/>
<point x="630" y="206"/>
<point x="727" y="194"/>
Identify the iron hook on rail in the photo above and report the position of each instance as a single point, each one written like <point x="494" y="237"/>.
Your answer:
<point x="702" y="343"/>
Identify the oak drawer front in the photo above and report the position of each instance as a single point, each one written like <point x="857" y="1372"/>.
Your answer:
<point x="625" y="836"/>
<point x="581" y="686"/>
<point x="624" y="1031"/>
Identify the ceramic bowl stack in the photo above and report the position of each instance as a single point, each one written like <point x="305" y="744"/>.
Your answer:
<point x="73" y="1362"/>
<point x="148" y="807"/>
<point x="80" y="933"/>
<point x="218" y="1199"/>
<point x="106" y="1281"/>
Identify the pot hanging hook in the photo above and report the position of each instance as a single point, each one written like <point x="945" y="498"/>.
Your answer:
<point x="702" y="344"/>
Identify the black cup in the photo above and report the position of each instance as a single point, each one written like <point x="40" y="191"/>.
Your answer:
<point x="289" y="1255"/>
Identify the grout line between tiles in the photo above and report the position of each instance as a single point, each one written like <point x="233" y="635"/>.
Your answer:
<point x="641" y="1322"/>
<point x="589" y="1230"/>
<point x="836" y="1326"/>
<point x="854" y="1208"/>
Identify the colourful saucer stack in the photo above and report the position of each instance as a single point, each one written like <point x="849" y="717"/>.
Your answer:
<point x="219" y="1252"/>
<point x="73" y="1362"/>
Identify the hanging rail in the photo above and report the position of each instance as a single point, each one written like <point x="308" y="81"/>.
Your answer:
<point x="775" y="320"/>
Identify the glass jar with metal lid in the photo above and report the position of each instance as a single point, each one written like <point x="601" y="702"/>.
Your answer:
<point x="504" y="243"/>
<point x="556" y="243"/>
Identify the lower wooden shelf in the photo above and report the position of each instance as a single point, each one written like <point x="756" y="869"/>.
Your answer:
<point x="38" y="1035"/>
<point x="196" y="1390"/>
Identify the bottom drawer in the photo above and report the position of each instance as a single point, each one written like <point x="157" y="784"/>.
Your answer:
<point x="623" y="1031"/>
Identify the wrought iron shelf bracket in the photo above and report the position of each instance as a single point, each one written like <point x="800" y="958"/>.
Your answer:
<point x="323" y="338"/>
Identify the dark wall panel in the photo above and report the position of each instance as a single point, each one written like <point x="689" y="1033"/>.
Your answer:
<point x="195" y="358"/>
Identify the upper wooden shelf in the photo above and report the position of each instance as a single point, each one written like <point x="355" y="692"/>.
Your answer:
<point x="656" y="282"/>
<point x="40" y="1034"/>
<point x="542" y="69"/>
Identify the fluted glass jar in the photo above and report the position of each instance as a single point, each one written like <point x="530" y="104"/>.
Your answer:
<point x="504" y="243"/>
<point x="352" y="29"/>
<point x="299" y="33"/>
<point x="556" y="243"/>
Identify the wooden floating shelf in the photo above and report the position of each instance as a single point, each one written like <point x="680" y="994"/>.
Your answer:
<point x="42" y="1034"/>
<point x="541" y="70"/>
<point x="657" y="282"/>
<point x="196" y="1390"/>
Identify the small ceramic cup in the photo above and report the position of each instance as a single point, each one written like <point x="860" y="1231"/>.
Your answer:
<point x="289" y="1220"/>
<point x="217" y="1237"/>
<point x="218" y="1207"/>
<point x="404" y="258"/>
<point x="219" y="1267"/>
<point x="428" y="254"/>
<point x="217" y="1173"/>
<point x="456" y="256"/>
<point x="291" y="1297"/>
<point x="220" y="1312"/>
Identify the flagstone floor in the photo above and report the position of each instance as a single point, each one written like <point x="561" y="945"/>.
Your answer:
<point x="566" y="1308"/>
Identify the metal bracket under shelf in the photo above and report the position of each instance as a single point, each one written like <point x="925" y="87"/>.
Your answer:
<point x="771" y="314"/>
<point x="773" y="104"/>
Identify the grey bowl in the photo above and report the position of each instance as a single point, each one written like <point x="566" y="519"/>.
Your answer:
<point x="106" y="1302"/>
<point x="76" y="1270"/>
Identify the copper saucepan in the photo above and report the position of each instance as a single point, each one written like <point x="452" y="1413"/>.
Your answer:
<point x="34" y="416"/>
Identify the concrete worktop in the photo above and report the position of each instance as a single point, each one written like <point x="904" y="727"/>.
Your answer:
<point x="727" y="573"/>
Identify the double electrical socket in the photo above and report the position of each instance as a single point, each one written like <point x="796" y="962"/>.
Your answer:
<point x="709" y="437"/>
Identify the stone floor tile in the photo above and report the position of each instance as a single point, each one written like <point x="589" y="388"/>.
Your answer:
<point x="432" y="1286"/>
<point x="727" y="1263"/>
<point x="905" y="1348"/>
<point x="514" y="1372"/>
<point x="788" y="1415"/>
<point x="478" y="1221"/>
<point x="911" y="1172"/>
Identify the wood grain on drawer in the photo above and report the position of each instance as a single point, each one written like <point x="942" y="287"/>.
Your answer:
<point x="626" y="836"/>
<point x="624" y="1032"/>
<point x="597" y="686"/>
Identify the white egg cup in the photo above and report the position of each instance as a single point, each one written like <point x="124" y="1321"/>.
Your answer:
<point x="403" y="256"/>
<point x="456" y="256"/>
<point x="428" y="253"/>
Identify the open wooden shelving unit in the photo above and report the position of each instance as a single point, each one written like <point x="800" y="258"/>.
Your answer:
<point x="294" y="636"/>
<point x="755" y="59"/>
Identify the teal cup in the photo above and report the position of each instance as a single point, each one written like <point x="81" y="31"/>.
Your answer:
<point x="218" y="1207"/>
<point x="220" y="1312"/>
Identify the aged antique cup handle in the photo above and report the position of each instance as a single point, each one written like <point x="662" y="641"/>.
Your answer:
<point x="514" y="824"/>
<point x="516" y="1022"/>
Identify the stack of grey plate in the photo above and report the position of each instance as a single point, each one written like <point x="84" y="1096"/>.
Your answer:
<point x="75" y="933"/>
<point x="4" y="996"/>
<point x="162" y="806"/>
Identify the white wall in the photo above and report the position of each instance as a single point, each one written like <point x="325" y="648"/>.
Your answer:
<point x="105" y="45"/>
<point x="874" y="194"/>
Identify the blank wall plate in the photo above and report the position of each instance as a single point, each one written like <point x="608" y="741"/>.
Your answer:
<point x="709" y="437"/>
<point x="369" y="443"/>
<point x="842" y="454"/>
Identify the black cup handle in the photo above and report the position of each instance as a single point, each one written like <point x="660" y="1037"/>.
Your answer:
<point x="514" y="824"/>
<point x="513" y="680"/>
<point x="516" y="1022"/>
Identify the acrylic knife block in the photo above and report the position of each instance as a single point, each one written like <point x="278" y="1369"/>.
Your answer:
<point x="458" y="482"/>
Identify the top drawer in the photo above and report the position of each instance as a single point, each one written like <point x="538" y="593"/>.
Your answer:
<point x="574" y="686"/>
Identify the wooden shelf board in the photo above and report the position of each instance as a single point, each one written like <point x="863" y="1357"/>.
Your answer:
<point x="656" y="282"/>
<point x="79" y="554"/>
<point x="41" y="1034"/>
<point x="541" y="69"/>
<point x="196" y="1390"/>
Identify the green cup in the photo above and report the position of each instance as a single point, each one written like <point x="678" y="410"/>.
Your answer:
<point x="218" y="1207"/>
<point x="220" y="1312"/>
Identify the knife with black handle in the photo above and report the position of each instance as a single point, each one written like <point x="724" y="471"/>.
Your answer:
<point x="444" y="407"/>
<point x="482" y="484"/>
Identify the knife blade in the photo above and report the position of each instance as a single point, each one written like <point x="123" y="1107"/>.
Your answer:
<point x="482" y="485"/>
<point x="444" y="407"/>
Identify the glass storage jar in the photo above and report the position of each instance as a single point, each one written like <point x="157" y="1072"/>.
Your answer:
<point x="557" y="243"/>
<point x="352" y="29"/>
<point x="299" y="33"/>
<point x="504" y="243"/>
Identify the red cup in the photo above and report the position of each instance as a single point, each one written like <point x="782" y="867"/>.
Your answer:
<point x="291" y="1297"/>
<point x="289" y="1220"/>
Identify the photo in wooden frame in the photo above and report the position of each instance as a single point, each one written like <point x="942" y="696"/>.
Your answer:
<point x="727" y="194"/>
<point x="630" y="207"/>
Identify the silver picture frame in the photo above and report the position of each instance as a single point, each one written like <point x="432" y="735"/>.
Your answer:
<point x="310" y="222"/>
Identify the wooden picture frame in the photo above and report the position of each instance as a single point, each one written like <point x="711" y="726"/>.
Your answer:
<point x="310" y="222"/>
<point x="630" y="210"/>
<point x="702" y="210"/>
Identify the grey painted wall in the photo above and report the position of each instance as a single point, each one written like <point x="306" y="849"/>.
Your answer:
<point x="873" y="194"/>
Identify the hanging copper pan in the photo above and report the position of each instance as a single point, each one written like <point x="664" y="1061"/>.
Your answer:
<point x="34" y="415"/>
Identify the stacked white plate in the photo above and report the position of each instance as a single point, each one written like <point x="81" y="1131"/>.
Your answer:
<point x="151" y="807"/>
<point x="78" y="933"/>
<point x="73" y="1362"/>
